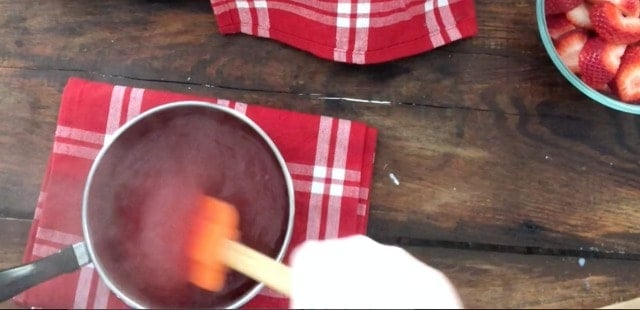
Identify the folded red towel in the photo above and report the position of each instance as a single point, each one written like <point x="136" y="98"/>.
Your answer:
<point x="330" y="161"/>
<point x="351" y="31"/>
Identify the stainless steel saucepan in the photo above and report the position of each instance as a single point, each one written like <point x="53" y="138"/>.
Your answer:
<point x="139" y="195"/>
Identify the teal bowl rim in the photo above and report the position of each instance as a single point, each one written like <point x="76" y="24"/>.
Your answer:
<point x="572" y="78"/>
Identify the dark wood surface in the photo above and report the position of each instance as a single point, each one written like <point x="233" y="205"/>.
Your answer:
<point x="507" y="174"/>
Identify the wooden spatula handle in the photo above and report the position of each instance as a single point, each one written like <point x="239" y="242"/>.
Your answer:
<point x="629" y="304"/>
<point x="257" y="266"/>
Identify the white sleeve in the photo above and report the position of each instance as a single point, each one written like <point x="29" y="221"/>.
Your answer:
<point x="357" y="272"/>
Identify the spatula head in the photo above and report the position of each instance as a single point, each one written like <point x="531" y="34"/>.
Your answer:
<point x="214" y="222"/>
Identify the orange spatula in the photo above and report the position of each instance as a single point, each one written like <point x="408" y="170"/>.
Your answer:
<point x="213" y="247"/>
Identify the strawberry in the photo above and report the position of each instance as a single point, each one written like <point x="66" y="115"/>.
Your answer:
<point x="605" y="88"/>
<point x="628" y="7"/>
<point x="628" y="77"/>
<point x="558" y="25"/>
<point x="613" y="89"/>
<point x="599" y="62"/>
<point x="610" y="24"/>
<point x="579" y="16"/>
<point x="569" y="46"/>
<point x="560" y="6"/>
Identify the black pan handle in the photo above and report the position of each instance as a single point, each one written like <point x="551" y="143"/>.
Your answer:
<point x="17" y="279"/>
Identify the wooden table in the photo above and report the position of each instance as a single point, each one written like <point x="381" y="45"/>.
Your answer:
<point x="507" y="175"/>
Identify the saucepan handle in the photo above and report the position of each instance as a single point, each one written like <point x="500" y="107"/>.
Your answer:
<point x="17" y="279"/>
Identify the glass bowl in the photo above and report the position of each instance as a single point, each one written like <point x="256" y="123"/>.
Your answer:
<point x="572" y="78"/>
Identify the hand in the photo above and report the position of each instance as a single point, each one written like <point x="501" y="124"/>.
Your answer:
<point x="357" y="272"/>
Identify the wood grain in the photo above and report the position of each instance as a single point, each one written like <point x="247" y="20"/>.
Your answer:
<point x="513" y="281"/>
<point x="14" y="238"/>
<point x="27" y="121"/>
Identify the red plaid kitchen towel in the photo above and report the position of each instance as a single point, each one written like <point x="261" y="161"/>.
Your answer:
<point x="330" y="161"/>
<point x="352" y="31"/>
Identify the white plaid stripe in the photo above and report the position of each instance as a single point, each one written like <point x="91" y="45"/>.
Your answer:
<point x="322" y="156"/>
<point x="87" y="272"/>
<point x="79" y="134"/>
<point x="263" y="17"/>
<point x="42" y="250"/>
<point x="325" y="7"/>
<point x="363" y="11"/>
<point x="59" y="237"/>
<point x="326" y="15"/>
<point x="307" y="170"/>
<point x="432" y="24"/>
<point x="42" y="196"/>
<point x="241" y="107"/>
<point x="113" y="123"/>
<point x="245" y="16"/>
<point x="342" y="43"/>
<point x="359" y="51"/>
<point x="115" y="110"/>
<point x="83" y="287"/>
<point x="343" y="24"/>
<point x="75" y="150"/>
<point x="362" y="209"/>
<point x="38" y="212"/>
<point x="447" y="19"/>
<point x="135" y="103"/>
<point x="242" y="4"/>
<point x="327" y="181"/>
<point x="101" y="299"/>
<point x="362" y="205"/>
<point x="223" y="102"/>
<point x="336" y="187"/>
<point x="321" y="187"/>
<point x="364" y="193"/>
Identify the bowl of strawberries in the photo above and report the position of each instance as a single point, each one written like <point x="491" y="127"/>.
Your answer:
<point x="595" y="44"/>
